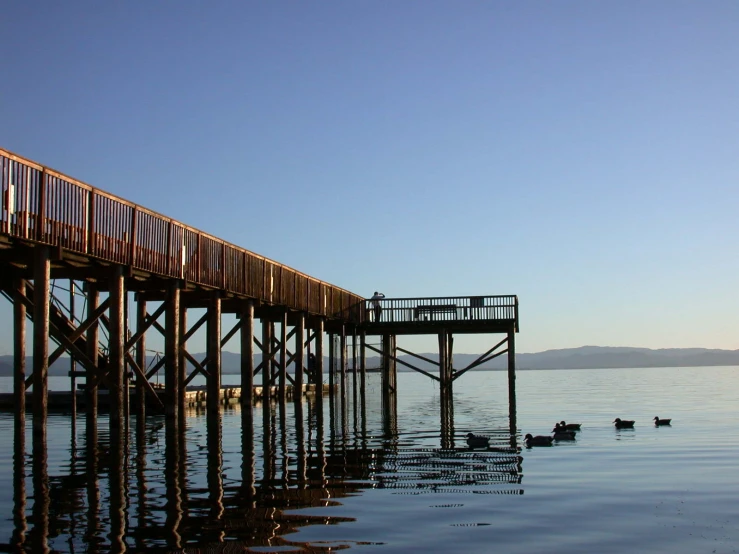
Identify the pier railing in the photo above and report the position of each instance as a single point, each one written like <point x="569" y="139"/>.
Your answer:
<point x="440" y="309"/>
<point x="45" y="206"/>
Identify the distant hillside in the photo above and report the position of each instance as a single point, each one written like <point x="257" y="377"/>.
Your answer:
<point x="585" y="357"/>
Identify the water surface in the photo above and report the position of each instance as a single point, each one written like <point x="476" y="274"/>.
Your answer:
<point x="369" y="478"/>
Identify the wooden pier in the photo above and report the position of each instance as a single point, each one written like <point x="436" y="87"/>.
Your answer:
<point x="72" y="254"/>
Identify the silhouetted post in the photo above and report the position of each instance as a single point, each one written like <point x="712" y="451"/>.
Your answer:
<point x="213" y="395"/>
<point x="282" y="381"/>
<point x="299" y="356"/>
<point x="267" y="329"/>
<point x="116" y="344"/>
<point x="331" y="361"/>
<point x="172" y="350"/>
<point x="19" y="352"/>
<point x="247" y="355"/>
<point x="140" y="361"/>
<point x="362" y="366"/>
<point x="342" y="365"/>
<point x="182" y="362"/>
<point x="512" y="383"/>
<point x="91" y="380"/>
<point x="72" y="361"/>
<point x="319" y="359"/>
<point x="41" y="274"/>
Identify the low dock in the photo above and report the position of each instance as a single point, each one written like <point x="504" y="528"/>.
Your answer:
<point x="194" y="397"/>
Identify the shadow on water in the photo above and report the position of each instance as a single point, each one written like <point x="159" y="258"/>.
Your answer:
<point x="187" y="484"/>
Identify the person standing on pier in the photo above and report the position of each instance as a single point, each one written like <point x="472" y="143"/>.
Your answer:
<point x="376" y="306"/>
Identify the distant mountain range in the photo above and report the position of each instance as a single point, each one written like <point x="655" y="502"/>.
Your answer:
<point x="584" y="357"/>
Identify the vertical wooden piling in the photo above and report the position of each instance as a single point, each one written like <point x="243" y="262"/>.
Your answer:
<point x="214" y="353"/>
<point x="299" y="356"/>
<point x="282" y="381"/>
<point x="247" y="354"/>
<point x="91" y="386"/>
<point x="266" y="360"/>
<point x="72" y="360"/>
<point x="141" y="362"/>
<point x="116" y="345"/>
<point x="331" y="360"/>
<point x="172" y="351"/>
<point x="182" y="362"/>
<point x="512" y="384"/>
<point x="41" y="275"/>
<point x="19" y="352"/>
<point x="342" y="363"/>
<point x="362" y="363"/>
<point x="319" y="358"/>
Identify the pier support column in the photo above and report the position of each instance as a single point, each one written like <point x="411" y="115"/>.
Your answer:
<point x="19" y="352"/>
<point x="141" y="362"/>
<point x="331" y="360"/>
<point x="116" y="345"/>
<point x="319" y="358"/>
<point x="362" y="364"/>
<point x="182" y="362"/>
<point x="267" y="330"/>
<point x="213" y="395"/>
<point x="247" y="355"/>
<point x="299" y="356"/>
<point x="282" y="381"/>
<point x="91" y="386"/>
<point x="512" y="384"/>
<point x="41" y="275"/>
<point x="342" y="363"/>
<point x="172" y="351"/>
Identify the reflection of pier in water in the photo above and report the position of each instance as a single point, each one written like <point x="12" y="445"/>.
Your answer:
<point x="174" y="484"/>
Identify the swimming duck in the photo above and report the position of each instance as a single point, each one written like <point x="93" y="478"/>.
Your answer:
<point x="564" y="435"/>
<point x="539" y="440"/>
<point x="570" y="426"/>
<point x="565" y="427"/>
<point x="623" y="424"/>
<point x="658" y="421"/>
<point x="476" y="441"/>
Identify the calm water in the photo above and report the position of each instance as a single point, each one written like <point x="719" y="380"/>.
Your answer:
<point x="373" y="480"/>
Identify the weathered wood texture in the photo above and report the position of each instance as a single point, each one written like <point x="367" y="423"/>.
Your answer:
<point x="45" y="206"/>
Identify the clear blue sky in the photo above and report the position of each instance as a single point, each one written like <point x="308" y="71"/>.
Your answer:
<point x="582" y="155"/>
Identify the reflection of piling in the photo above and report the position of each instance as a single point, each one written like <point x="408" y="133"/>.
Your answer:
<point x="39" y="533"/>
<point x="248" y="457"/>
<point x="19" y="483"/>
<point x="446" y="406"/>
<point x="117" y="495"/>
<point x="215" y="466"/>
<point x="172" y="467"/>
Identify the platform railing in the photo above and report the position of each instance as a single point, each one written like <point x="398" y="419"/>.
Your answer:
<point x="45" y="206"/>
<point x="440" y="309"/>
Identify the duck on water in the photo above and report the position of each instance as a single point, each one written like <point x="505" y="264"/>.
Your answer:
<point x="477" y="441"/>
<point x="623" y="423"/>
<point x="538" y="440"/>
